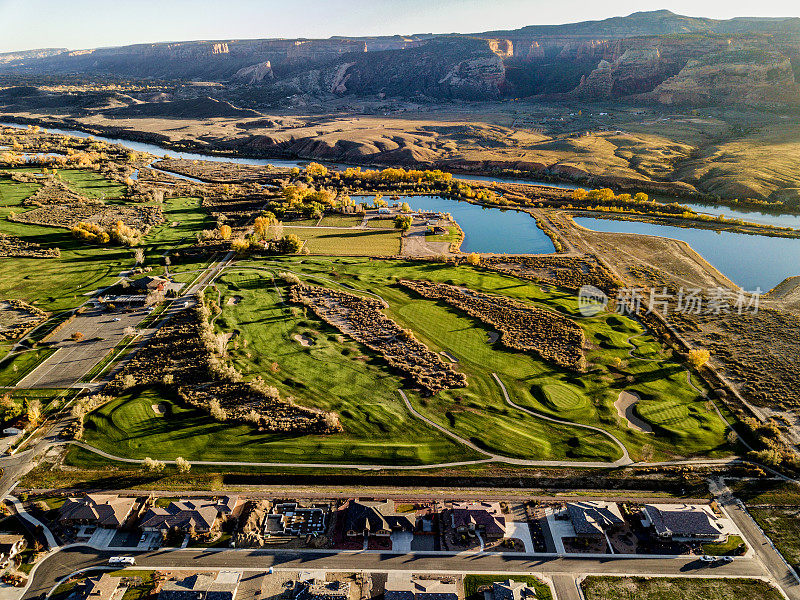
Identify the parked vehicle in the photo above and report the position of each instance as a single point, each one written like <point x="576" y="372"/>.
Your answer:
<point x="707" y="559"/>
<point x="122" y="560"/>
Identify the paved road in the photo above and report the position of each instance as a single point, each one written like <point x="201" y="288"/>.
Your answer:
<point x="566" y="587"/>
<point x="72" y="360"/>
<point x="70" y="560"/>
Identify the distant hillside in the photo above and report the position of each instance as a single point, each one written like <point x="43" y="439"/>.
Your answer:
<point x="656" y="56"/>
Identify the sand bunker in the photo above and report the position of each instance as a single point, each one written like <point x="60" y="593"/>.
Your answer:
<point x="624" y="406"/>
<point x="493" y="337"/>
<point x="159" y="409"/>
<point x="234" y="300"/>
<point x="303" y="340"/>
<point x="449" y="356"/>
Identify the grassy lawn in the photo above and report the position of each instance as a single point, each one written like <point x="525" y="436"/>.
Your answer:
<point x="381" y="223"/>
<point x="348" y="241"/>
<point x="15" y="368"/>
<point x="724" y="548"/>
<point x="452" y="235"/>
<point x="782" y="525"/>
<point x="473" y="582"/>
<point x="335" y="373"/>
<point x="677" y="588"/>
<point x="341" y="221"/>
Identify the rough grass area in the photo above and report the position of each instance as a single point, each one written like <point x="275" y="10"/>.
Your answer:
<point x="676" y="588"/>
<point x="782" y="525"/>
<point x="348" y="242"/>
<point x="452" y="235"/>
<point x="334" y="373"/>
<point x="473" y="582"/>
<point x="341" y="221"/>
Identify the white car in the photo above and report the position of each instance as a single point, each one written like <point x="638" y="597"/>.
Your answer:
<point x="122" y="560"/>
<point x="707" y="559"/>
<point x="116" y="319"/>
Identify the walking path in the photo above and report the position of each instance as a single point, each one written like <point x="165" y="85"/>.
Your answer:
<point x="24" y="514"/>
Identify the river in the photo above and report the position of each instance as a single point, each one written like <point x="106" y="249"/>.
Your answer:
<point x="750" y="261"/>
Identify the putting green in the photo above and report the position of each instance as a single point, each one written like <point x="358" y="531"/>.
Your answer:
<point x="564" y="398"/>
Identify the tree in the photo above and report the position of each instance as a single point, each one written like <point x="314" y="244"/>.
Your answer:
<point x="404" y="207"/>
<point x="403" y="222"/>
<point x="34" y="411"/>
<point x="316" y="170"/>
<point x="129" y="381"/>
<point x="261" y="227"/>
<point x="182" y="465"/>
<point x="8" y="408"/>
<point x="290" y="244"/>
<point x="240" y="245"/>
<point x="217" y="412"/>
<point x="153" y="466"/>
<point x="225" y="232"/>
<point x="138" y="255"/>
<point x="699" y="357"/>
<point x="77" y="336"/>
<point x="474" y="259"/>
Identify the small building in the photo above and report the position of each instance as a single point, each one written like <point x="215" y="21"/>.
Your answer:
<point x="203" y="586"/>
<point x="200" y="514"/>
<point x="512" y="590"/>
<point x="319" y="589"/>
<point x="11" y="544"/>
<point x="378" y="519"/>
<point x="289" y="518"/>
<point x="486" y="518"/>
<point x="149" y="283"/>
<point x="685" y="523"/>
<point x="590" y="518"/>
<point x="404" y="586"/>
<point x="104" y="587"/>
<point x="101" y="510"/>
<point x="384" y="211"/>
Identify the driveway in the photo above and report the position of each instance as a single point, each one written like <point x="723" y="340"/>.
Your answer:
<point x="521" y="531"/>
<point x="401" y="541"/>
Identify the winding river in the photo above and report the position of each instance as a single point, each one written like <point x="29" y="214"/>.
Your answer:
<point x="750" y="261"/>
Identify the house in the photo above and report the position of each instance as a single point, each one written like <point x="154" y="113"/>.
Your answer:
<point x="319" y="589"/>
<point x="102" y="510"/>
<point x="289" y="518"/>
<point x="11" y="544"/>
<point x="104" y="587"/>
<point x="375" y="518"/>
<point x="201" y="515"/>
<point x="685" y="522"/>
<point x="148" y="283"/>
<point x="591" y="518"/>
<point x="202" y="586"/>
<point x="404" y="586"/>
<point x="512" y="590"/>
<point x="485" y="518"/>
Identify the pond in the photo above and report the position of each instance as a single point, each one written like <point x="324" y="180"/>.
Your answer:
<point x="750" y="261"/>
<point x="486" y="229"/>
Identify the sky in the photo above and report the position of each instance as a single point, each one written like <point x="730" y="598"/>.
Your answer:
<point x="75" y="24"/>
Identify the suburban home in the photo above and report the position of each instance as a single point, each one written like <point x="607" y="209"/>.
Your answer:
<point x="591" y="518"/>
<point x="289" y="518"/>
<point x="101" y="510"/>
<point x="404" y="586"/>
<point x="11" y="544"/>
<point x="512" y="590"/>
<point x="486" y="518"/>
<point x="378" y="519"/>
<point x="104" y="587"/>
<point x="319" y="589"/>
<point x="685" y="523"/>
<point x="203" y="586"/>
<point x="201" y="515"/>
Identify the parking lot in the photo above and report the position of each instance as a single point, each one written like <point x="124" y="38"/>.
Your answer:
<point x="101" y="331"/>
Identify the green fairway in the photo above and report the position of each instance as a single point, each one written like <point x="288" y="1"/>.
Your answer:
<point x="338" y="242"/>
<point x="128" y="426"/>
<point x="334" y="373"/>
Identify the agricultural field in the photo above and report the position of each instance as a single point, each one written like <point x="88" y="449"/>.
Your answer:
<point x="334" y="242"/>
<point x="664" y="588"/>
<point x="304" y="358"/>
<point x="782" y="525"/>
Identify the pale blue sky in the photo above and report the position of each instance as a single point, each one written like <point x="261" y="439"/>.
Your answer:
<point x="26" y="24"/>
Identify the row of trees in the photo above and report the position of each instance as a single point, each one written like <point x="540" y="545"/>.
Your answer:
<point x="119" y="234"/>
